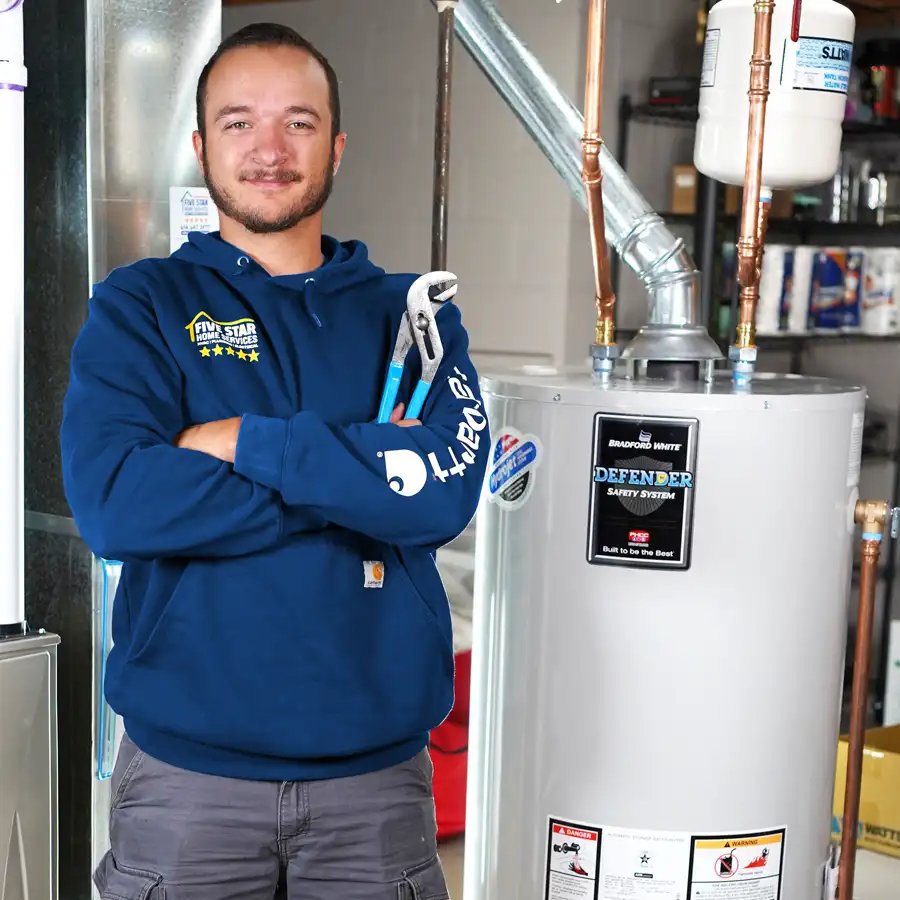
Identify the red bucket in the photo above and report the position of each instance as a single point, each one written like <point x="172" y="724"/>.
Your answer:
<point x="450" y="755"/>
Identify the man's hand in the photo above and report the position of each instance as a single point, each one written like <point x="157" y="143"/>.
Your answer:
<point x="218" y="439"/>
<point x="397" y="417"/>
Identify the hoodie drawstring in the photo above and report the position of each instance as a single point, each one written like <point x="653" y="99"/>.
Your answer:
<point x="308" y="296"/>
<point x="244" y="267"/>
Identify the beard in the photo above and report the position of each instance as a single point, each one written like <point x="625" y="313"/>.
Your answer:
<point x="318" y="191"/>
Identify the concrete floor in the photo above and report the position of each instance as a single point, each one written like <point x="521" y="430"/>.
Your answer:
<point x="877" y="876"/>
<point x="451" y="853"/>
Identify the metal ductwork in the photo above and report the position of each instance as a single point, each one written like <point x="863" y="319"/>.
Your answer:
<point x="109" y="113"/>
<point x="638" y="234"/>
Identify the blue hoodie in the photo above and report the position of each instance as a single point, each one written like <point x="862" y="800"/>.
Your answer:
<point x="281" y="618"/>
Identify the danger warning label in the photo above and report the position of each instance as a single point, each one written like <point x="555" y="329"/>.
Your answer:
<point x="573" y="854"/>
<point x="737" y="867"/>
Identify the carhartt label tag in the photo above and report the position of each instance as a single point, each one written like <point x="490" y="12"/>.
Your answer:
<point x="374" y="572"/>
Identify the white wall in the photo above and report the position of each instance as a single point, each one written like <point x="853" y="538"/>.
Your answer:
<point x="517" y="239"/>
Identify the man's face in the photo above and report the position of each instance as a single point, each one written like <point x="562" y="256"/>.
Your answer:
<point x="268" y="159"/>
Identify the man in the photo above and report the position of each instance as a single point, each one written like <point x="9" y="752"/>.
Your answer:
<point x="282" y="636"/>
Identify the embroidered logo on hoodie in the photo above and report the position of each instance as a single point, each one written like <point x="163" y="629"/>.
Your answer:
<point x="238" y="338"/>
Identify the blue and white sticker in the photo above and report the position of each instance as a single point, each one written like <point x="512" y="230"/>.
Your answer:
<point x="514" y="458"/>
<point x="821" y="64"/>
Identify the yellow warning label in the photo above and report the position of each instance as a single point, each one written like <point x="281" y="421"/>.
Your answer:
<point x="731" y="843"/>
<point x="737" y="866"/>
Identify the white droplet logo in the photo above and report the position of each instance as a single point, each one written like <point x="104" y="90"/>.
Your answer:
<point x="405" y="472"/>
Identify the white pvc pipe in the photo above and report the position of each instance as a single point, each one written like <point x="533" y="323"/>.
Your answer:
<point x="13" y="81"/>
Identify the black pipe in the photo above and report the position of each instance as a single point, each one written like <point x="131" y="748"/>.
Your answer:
<point x="440" y="209"/>
<point x="705" y="248"/>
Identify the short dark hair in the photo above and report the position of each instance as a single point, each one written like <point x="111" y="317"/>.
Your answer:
<point x="269" y="34"/>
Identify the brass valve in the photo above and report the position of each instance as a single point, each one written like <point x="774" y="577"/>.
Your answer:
<point x="872" y="516"/>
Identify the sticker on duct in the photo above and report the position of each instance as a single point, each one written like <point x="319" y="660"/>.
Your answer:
<point x="641" y="505"/>
<point x="514" y="459"/>
<point x="190" y="209"/>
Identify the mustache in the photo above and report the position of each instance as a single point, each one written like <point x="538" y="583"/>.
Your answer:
<point x="281" y="175"/>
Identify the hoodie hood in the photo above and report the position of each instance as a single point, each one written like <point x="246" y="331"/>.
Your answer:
<point x="345" y="264"/>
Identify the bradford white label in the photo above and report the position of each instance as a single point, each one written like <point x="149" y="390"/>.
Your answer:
<point x="642" y="487"/>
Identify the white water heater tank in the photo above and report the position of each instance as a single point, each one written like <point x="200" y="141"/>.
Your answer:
<point x="661" y="591"/>
<point x="808" y="83"/>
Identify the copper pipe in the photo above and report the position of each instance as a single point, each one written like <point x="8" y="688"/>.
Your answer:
<point x="872" y="516"/>
<point x="750" y="293"/>
<point x="750" y="239"/>
<point x="592" y="175"/>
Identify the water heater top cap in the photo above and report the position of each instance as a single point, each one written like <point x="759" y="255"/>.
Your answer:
<point x="574" y="385"/>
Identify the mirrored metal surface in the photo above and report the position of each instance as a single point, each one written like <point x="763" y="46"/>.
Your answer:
<point x="110" y="110"/>
<point x="143" y="62"/>
<point x="28" y="767"/>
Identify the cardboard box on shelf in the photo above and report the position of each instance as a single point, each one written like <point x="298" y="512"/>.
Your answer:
<point x="782" y="203"/>
<point x="684" y="190"/>
<point x="684" y="196"/>
<point x="879" y="806"/>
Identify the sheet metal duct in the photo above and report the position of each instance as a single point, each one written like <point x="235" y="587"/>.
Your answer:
<point x="637" y="233"/>
<point x="108" y="119"/>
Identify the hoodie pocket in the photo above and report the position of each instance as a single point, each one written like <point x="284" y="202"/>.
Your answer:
<point x="306" y="651"/>
<point x="147" y="592"/>
<point x="425" y="580"/>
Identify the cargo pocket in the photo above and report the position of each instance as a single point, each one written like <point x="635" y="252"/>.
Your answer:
<point x="117" y="882"/>
<point x="425" y="882"/>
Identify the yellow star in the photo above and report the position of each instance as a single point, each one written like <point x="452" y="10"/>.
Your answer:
<point x="229" y="351"/>
<point x="254" y="356"/>
<point x="241" y="354"/>
<point x="204" y="351"/>
<point x="217" y="350"/>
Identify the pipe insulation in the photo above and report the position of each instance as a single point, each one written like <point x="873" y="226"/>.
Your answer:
<point x="13" y="81"/>
<point x="638" y="234"/>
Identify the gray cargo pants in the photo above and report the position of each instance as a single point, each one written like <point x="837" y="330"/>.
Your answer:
<point x="178" y="835"/>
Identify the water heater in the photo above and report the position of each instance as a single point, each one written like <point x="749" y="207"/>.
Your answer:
<point x="664" y="554"/>
<point x="808" y="83"/>
<point x="662" y="581"/>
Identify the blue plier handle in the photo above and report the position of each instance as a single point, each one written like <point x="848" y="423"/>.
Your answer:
<point x="424" y="298"/>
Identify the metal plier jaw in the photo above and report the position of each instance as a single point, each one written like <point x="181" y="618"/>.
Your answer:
<point x="425" y="297"/>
